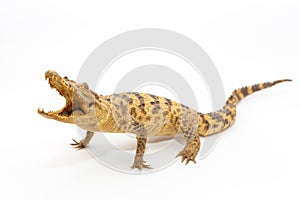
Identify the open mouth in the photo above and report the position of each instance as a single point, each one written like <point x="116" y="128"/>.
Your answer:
<point x="77" y="102"/>
<point x="64" y="89"/>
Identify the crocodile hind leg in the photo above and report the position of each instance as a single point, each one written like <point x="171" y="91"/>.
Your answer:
<point x="189" y="128"/>
<point x="84" y="142"/>
<point x="191" y="148"/>
<point x="140" y="150"/>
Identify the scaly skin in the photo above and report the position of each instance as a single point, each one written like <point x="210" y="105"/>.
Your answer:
<point x="142" y="114"/>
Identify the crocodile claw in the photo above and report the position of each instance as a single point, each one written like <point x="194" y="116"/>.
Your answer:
<point x="78" y="145"/>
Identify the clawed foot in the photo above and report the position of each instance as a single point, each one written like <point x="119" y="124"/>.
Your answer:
<point x="78" y="145"/>
<point x="187" y="156"/>
<point x="140" y="164"/>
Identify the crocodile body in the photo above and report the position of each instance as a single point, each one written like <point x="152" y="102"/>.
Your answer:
<point x="142" y="114"/>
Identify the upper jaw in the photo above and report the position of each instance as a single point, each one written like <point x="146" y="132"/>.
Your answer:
<point x="59" y="83"/>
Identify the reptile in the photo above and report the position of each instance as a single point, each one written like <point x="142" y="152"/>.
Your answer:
<point x="142" y="114"/>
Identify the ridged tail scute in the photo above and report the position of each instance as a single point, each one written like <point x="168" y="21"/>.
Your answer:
<point x="241" y="93"/>
<point x="220" y="120"/>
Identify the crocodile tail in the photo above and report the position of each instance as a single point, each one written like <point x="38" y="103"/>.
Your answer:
<point x="220" y="120"/>
<point x="241" y="93"/>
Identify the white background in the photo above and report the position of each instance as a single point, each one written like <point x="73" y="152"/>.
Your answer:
<point x="249" y="41"/>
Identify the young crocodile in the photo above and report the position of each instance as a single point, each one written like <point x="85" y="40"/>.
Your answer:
<point x="142" y="114"/>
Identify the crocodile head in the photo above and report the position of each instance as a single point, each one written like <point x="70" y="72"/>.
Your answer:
<point x="81" y="102"/>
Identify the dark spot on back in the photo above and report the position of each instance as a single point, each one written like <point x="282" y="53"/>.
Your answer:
<point x="226" y="121"/>
<point x="142" y="102"/>
<point x="176" y="119"/>
<point x="237" y="94"/>
<point x="216" y="116"/>
<point x="135" y="123"/>
<point x="255" y="87"/>
<point x="142" y="108"/>
<point x="267" y="84"/>
<point x="133" y="112"/>
<point x="130" y="101"/>
<point x="155" y="102"/>
<point x="244" y="91"/>
<point x="168" y="103"/>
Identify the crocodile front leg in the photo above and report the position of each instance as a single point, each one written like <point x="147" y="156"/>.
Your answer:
<point x="84" y="142"/>
<point x="140" y="150"/>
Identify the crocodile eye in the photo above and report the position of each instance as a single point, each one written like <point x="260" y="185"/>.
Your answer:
<point x="66" y="77"/>
<point x="85" y="85"/>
